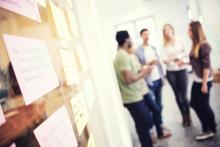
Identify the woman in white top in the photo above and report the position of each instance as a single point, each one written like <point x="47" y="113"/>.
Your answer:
<point x="173" y="53"/>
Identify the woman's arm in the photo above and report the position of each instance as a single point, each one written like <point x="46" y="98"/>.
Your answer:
<point x="205" y="78"/>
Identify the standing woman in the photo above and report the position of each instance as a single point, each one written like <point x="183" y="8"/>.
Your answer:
<point x="200" y="61"/>
<point x="173" y="54"/>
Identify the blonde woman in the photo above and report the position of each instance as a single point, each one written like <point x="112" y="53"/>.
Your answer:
<point x="173" y="53"/>
<point x="200" y="61"/>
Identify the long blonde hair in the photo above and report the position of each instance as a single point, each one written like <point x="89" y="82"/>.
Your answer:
<point x="198" y="37"/>
<point x="165" y="38"/>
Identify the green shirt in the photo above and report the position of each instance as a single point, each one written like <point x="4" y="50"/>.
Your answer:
<point x="130" y="92"/>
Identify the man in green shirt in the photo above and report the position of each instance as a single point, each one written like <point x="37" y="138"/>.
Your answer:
<point x="130" y="77"/>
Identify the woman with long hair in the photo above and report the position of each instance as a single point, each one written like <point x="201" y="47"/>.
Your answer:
<point x="202" y="72"/>
<point x="174" y="53"/>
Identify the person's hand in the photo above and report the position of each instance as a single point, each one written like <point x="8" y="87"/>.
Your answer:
<point x="204" y="88"/>
<point x="153" y="62"/>
<point x="180" y="63"/>
<point x="164" y="82"/>
<point x="147" y="69"/>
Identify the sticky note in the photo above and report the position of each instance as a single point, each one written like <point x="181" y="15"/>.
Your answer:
<point x="80" y="111"/>
<point x="59" y="21"/>
<point x="56" y="131"/>
<point x="89" y="93"/>
<point x="32" y="66"/>
<point x="26" y="8"/>
<point x="72" y="22"/>
<point x="42" y="3"/>
<point x="69" y="3"/>
<point x="70" y="67"/>
<point x="82" y="59"/>
<point x="91" y="142"/>
<point x="2" y="116"/>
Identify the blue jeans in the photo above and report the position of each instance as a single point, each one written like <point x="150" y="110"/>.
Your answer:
<point x="156" y="90"/>
<point x="154" y="108"/>
<point x="140" y="114"/>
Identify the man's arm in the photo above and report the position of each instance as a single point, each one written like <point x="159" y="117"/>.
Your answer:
<point x="130" y="78"/>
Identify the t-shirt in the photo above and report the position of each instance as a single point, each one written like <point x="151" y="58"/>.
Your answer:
<point x="134" y="92"/>
<point x="176" y="51"/>
<point x="150" y="55"/>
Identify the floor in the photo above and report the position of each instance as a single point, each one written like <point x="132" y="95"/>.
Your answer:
<point x="184" y="137"/>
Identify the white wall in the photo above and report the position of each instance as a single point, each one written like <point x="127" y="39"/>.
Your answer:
<point x="107" y="121"/>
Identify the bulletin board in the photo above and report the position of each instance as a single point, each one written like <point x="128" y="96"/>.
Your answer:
<point x="50" y="91"/>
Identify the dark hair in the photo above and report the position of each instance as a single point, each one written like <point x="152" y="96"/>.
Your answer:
<point x="198" y="36"/>
<point x="121" y="37"/>
<point x="143" y="30"/>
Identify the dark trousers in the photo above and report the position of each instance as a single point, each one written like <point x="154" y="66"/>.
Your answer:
<point x="156" y="90"/>
<point x="200" y="103"/>
<point x="156" y="113"/>
<point x="179" y="82"/>
<point x="141" y="115"/>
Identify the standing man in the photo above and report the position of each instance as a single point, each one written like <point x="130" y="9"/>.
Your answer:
<point x="148" y="55"/>
<point x="130" y="77"/>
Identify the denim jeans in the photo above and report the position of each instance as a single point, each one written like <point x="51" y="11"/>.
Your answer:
<point x="156" y="90"/>
<point x="156" y="113"/>
<point x="140" y="114"/>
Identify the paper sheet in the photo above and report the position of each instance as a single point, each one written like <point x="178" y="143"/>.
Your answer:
<point x="91" y="142"/>
<point x="70" y="67"/>
<point x="32" y="66"/>
<point x="72" y="22"/>
<point x="60" y="21"/>
<point x="42" y="3"/>
<point x="89" y="93"/>
<point x="2" y="116"/>
<point x="26" y="8"/>
<point x="56" y="131"/>
<point x="80" y="111"/>
<point x="82" y="59"/>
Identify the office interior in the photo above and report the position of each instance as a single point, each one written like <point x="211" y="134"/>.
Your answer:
<point x="70" y="46"/>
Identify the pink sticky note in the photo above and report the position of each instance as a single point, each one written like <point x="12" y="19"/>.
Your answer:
<point x="32" y="65"/>
<point x="56" y="131"/>
<point x="26" y="8"/>
<point x="2" y="116"/>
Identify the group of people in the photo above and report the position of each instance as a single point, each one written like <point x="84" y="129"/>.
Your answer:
<point x="140" y="76"/>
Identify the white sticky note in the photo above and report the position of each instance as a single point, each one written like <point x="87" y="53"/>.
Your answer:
<point x="89" y="93"/>
<point x="70" y="67"/>
<point x="32" y="66"/>
<point x="2" y="116"/>
<point x="56" y="131"/>
<point x="26" y="8"/>
<point x="80" y="111"/>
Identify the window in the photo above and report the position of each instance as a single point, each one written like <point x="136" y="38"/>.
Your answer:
<point x="135" y="26"/>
